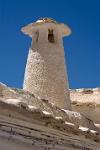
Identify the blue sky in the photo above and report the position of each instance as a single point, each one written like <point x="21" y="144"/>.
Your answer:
<point x="82" y="48"/>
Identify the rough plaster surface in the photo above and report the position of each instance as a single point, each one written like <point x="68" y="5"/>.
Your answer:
<point x="21" y="98"/>
<point x="27" y="122"/>
<point x="22" y="129"/>
<point x="45" y="74"/>
<point x="19" y="135"/>
<point x="87" y="102"/>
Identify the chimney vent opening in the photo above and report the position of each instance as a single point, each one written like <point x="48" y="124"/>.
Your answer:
<point x="51" y="36"/>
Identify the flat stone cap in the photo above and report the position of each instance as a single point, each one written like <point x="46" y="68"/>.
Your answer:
<point x="46" y="20"/>
<point x="30" y="28"/>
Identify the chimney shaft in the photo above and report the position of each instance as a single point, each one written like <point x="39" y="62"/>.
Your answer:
<point x="45" y="73"/>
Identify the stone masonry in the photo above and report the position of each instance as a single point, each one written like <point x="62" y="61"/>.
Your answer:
<point x="45" y="73"/>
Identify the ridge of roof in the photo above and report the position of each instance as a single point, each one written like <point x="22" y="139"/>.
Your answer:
<point x="35" y="115"/>
<point x="23" y="102"/>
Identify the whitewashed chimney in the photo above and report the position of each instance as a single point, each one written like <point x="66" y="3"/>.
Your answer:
<point x="45" y="73"/>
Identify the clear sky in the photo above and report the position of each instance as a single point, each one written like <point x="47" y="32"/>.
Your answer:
<point x="82" y="48"/>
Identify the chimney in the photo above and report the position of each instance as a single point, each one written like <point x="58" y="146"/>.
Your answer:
<point x="45" y="73"/>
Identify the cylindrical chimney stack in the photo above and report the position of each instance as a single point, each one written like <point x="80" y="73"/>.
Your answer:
<point x="45" y="73"/>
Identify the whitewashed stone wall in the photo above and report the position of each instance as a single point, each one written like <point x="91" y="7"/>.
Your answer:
<point x="45" y="74"/>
